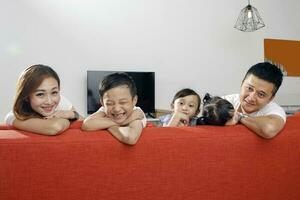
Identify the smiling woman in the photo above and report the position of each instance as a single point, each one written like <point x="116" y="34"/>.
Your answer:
<point x="38" y="105"/>
<point x="46" y="97"/>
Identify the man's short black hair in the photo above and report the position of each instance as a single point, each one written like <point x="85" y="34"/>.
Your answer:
<point x="267" y="72"/>
<point x="115" y="80"/>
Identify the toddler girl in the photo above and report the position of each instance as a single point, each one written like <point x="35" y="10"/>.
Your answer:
<point x="185" y="107"/>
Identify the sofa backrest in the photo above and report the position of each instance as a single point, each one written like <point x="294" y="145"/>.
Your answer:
<point x="204" y="162"/>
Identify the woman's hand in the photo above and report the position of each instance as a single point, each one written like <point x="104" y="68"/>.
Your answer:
<point x="65" y="114"/>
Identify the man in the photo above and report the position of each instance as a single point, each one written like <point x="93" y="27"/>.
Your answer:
<point x="254" y="105"/>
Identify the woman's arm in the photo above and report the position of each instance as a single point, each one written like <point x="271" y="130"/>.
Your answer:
<point x="53" y="126"/>
<point x="66" y="114"/>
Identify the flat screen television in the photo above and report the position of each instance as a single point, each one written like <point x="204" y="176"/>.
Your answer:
<point x="145" y="84"/>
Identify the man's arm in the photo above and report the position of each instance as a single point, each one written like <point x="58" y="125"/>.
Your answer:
<point x="97" y="121"/>
<point x="264" y="126"/>
<point x="128" y="134"/>
<point x="52" y="126"/>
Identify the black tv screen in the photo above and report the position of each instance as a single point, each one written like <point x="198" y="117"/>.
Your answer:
<point x="144" y="81"/>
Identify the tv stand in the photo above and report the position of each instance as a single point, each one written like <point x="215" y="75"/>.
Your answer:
<point x="150" y="115"/>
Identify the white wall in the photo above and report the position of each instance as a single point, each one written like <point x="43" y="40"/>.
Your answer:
<point x="187" y="43"/>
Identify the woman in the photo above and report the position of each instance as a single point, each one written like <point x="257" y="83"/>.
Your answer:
<point x="38" y="105"/>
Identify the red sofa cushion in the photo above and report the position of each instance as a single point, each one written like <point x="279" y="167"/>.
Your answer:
<point x="204" y="162"/>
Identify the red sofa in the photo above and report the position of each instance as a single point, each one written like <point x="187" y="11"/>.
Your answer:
<point x="204" y="162"/>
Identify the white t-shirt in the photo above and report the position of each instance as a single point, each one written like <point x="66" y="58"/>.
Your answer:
<point x="64" y="104"/>
<point x="270" y="109"/>
<point x="144" y="120"/>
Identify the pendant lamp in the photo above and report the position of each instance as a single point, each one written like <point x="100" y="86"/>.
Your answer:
<point x="249" y="19"/>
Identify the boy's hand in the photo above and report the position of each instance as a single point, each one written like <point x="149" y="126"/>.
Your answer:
<point x="127" y="134"/>
<point x="137" y="114"/>
<point x="97" y="121"/>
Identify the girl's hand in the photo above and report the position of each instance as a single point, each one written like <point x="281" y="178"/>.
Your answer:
<point x="183" y="119"/>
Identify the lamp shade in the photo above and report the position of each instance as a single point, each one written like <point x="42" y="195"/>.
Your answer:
<point x="249" y="20"/>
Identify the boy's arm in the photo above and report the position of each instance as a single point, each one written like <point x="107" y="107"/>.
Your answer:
<point x="97" y="121"/>
<point x="137" y="114"/>
<point x="52" y="126"/>
<point x="128" y="134"/>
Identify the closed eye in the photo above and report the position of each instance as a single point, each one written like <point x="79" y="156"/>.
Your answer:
<point x="108" y="104"/>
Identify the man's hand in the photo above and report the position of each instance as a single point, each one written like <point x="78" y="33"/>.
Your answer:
<point x="234" y="120"/>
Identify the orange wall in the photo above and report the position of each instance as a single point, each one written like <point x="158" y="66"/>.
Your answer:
<point x="285" y="53"/>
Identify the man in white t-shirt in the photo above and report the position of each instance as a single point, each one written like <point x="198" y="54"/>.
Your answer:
<point x="254" y="105"/>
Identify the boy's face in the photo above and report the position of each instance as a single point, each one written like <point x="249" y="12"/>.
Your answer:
<point x="118" y="103"/>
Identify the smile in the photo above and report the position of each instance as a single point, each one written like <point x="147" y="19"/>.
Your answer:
<point x="47" y="108"/>
<point x="118" y="116"/>
<point x="251" y="104"/>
